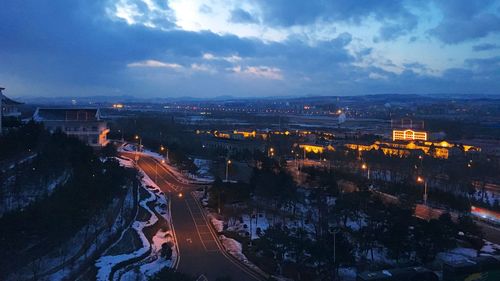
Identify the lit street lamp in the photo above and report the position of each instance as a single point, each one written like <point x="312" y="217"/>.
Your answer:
<point x="139" y="147"/>
<point x="228" y="162"/>
<point x="365" y="167"/>
<point x="424" y="181"/>
<point x="162" y="148"/>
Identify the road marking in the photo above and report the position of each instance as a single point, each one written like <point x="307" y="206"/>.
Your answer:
<point x="166" y="182"/>
<point x="189" y="209"/>
<point x="218" y="245"/>
<point x="223" y="251"/>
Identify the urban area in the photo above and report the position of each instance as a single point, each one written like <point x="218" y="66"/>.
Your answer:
<point x="382" y="187"/>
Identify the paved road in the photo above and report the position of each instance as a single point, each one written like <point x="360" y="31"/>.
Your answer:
<point x="200" y="252"/>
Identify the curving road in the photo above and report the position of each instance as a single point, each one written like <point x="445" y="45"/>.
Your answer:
<point x="200" y="252"/>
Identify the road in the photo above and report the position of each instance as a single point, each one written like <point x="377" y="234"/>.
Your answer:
<point x="199" y="250"/>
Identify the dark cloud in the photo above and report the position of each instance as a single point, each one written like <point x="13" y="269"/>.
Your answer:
<point x="76" y="41"/>
<point x="465" y="20"/>
<point x="396" y="18"/>
<point x="485" y="47"/>
<point x="242" y="16"/>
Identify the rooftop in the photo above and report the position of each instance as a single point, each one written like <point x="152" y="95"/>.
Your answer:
<point x="67" y="114"/>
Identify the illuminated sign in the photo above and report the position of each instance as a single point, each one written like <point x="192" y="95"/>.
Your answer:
<point x="408" y="135"/>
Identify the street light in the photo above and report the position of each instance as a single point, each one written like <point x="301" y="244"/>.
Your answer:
<point x="228" y="162"/>
<point x="424" y="181"/>
<point x="137" y="150"/>
<point x="365" y="167"/>
<point x="162" y="148"/>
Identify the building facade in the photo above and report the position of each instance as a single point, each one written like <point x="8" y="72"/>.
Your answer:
<point x="84" y="123"/>
<point x="441" y="149"/>
<point x="408" y="135"/>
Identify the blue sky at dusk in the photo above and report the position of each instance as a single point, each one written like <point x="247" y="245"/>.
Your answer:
<point x="175" y="48"/>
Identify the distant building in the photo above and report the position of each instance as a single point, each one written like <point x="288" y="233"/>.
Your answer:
<point x="408" y="135"/>
<point x="232" y="145"/>
<point x="83" y="123"/>
<point x="406" y="129"/>
<point x="316" y="148"/>
<point x="441" y="149"/>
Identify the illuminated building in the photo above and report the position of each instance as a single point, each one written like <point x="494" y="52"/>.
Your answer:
<point x="245" y="134"/>
<point x="316" y="149"/>
<point x="408" y="135"/>
<point x="118" y="106"/>
<point x="84" y="123"/>
<point x="441" y="149"/>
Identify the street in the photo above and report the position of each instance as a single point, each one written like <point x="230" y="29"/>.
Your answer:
<point x="199" y="250"/>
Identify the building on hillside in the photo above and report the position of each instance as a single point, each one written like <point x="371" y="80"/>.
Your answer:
<point x="84" y="123"/>
<point x="10" y="108"/>
<point x="441" y="149"/>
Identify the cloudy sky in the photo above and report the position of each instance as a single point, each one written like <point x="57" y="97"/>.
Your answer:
<point x="160" y="48"/>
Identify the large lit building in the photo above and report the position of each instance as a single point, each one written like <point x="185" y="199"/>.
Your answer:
<point x="441" y="149"/>
<point x="84" y="123"/>
<point x="408" y="135"/>
<point x="316" y="148"/>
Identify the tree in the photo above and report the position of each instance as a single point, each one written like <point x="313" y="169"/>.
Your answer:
<point x="277" y="240"/>
<point x="109" y="150"/>
<point x="166" y="251"/>
<point x="332" y="251"/>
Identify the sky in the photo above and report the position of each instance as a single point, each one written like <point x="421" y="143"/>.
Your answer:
<point x="195" y="48"/>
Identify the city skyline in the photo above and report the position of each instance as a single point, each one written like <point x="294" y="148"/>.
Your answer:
<point x="249" y="48"/>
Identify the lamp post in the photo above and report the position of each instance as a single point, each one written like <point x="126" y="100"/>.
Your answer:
<point x="162" y="148"/>
<point x="424" y="181"/>
<point x="335" y="247"/>
<point x="137" y="150"/>
<point x="228" y="162"/>
<point x="365" y="167"/>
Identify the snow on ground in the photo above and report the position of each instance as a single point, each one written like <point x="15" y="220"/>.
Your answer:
<point x="105" y="264"/>
<point x="203" y="173"/>
<point x="218" y="224"/>
<point x="457" y="254"/>
<point x="486" y="196"/>
<point x="125" y="162"/>
<point x="249" y="224"/>
<point x="490" y="248"/>
<point x="347" y="273"/>
<point x="235" y="249"/>
<point x="153" y="262"/>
